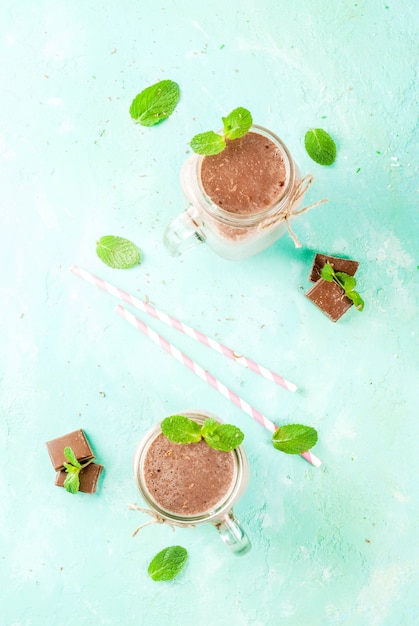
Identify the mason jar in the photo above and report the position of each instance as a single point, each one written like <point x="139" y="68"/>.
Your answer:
<point x="235" y="235"/>
<point x="220" y="513"/>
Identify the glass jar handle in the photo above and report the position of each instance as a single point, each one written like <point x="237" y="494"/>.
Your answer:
<point x="183" y="233"/>
<point x="233" y="534"/>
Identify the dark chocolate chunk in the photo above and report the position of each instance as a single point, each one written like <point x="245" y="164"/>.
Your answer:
<point x="330" y="298"/>
<point x="88" y="477"/>
<point x="77" y="441"/>
<point x="338" y="264"/>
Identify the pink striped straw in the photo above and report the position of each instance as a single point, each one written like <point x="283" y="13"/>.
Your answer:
<point x="206" y="376"/>
<point x="183" y="328"/>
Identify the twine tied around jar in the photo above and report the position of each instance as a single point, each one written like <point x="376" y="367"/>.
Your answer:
<point x="298" y="193"/>
<point x="157" y="519"/>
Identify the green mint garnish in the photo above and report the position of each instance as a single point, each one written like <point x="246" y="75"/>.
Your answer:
<point x="168" y="563"/>
<point x="346" y="281"/>
<point x="118" y="252"/>
<point x="223" y="437"/>
<point x="235" y="125"/>
<point x="73" y="467"/>
<point x="209" y="427"/>
<point x="294" y="438"/>
<point x="320" y="146"/>
<point x="181" y="429"/>
<point x="155" y="103"/>
<point x="208" y="143"/>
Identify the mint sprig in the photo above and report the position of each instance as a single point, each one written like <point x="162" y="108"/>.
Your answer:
<point x="118" y="252"/>
<point x="294" y="438"/>
<point x="320" y="146"/>
<point x="155" y="103"/>
<point x="208" y="143"/>
<point x="73" y="467"/>
<point x="168" y="563"/>
<point x="182" y="429"/>
<point x="235" y="125"/>
<point x="346" y="281"/>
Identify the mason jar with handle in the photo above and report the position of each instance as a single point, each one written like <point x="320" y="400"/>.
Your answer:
<point x="192" y="484"/>
<point x="240" y="201"/>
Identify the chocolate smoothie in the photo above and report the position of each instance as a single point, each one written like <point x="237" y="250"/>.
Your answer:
<point x="187" y="479"/>
<point x="247" y="177"/>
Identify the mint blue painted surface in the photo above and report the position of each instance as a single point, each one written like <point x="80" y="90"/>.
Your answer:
<point x="331" y="546"/>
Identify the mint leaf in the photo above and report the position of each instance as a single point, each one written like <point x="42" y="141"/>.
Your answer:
<point x="208" y="143"/>
<point x="224" y="437"/>
<point x="320" y="146"/>
<point x="327" y="272"/>
<point x="71" y="457"/>
<point x="73" y="467"/>
<point x="168" y="563"/>
<point x="347" y="281"/>
<point x="117" y="252"/>
<point x="294" y="438"/>
<point x="356" y="299"/>
<point x="181" y="429"/>
<point x="237" y="123"/>
<point x="72" y="481"/>
<point x="208" y="427"/>
<point x="155" y="103"/>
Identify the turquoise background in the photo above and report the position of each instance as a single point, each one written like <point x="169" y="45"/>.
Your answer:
<point x="334" y="545"/>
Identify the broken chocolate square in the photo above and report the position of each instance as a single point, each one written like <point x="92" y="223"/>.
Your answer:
<point x="77" y="441"/>
<point x="330" y="298"/>
<point x="339" y="265"/>
<point x="88" y="477"/>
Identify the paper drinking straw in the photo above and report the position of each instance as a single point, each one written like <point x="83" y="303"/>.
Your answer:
<point x="184" y="328"/>
<point x="206" y="376"/>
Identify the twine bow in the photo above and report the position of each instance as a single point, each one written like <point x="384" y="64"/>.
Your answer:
<point x="157" y="519"/>
<point x="298" y="193"/>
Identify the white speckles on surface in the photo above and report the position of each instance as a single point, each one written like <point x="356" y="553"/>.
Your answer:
<point x="54" y="102"/>
<point x="333" y="546"/>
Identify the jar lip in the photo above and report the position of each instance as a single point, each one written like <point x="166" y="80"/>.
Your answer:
<point x="245" y="219"/>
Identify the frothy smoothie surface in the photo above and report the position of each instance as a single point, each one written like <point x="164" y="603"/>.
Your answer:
<point x="247" y="177"/>
<point x="187" y="479"/>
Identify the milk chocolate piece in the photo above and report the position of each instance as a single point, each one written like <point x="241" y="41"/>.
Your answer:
<point x="338" y="264"/>
<point x="330" y="298"/>
<point x="88" y="477"/>
<point x="77" y="441"/>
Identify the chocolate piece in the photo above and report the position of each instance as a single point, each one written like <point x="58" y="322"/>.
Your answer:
<point x="88" y="477"/>
<point x="330" y="298"/>
<point x="77" y="441"/>
<point x="338" y="264"/>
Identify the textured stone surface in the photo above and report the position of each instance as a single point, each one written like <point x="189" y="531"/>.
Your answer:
<point x="331" y="546"/>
